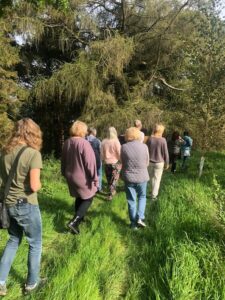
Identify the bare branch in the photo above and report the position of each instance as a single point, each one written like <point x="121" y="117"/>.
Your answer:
<point x="175" y="16"/>
<point x="167" y="84"/>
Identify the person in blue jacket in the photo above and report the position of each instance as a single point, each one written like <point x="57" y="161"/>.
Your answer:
<point x="186" y="149"/>
<point x="96" y="146"/>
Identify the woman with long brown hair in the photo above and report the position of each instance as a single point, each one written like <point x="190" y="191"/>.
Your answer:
<point x="21" y="202"/>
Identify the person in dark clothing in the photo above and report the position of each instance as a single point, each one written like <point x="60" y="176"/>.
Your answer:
<point x="78" y="166"/>
<point x="96" y="146"/>
<point x="176" y="143"/>
<point x="121" y="139"/>
<point x="186" y="149"/>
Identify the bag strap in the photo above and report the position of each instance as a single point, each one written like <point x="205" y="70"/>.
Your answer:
<point x="12" y="173"/>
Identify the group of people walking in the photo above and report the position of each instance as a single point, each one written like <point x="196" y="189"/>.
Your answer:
<point x="137" y="161"/>
<point x="130" y="158"/>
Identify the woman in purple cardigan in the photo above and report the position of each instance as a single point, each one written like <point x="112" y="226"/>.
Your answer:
<point x="78" y="166"/>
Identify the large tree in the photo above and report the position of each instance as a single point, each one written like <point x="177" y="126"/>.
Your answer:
<point x="11" y="93"/>
<point x="109" y="62"/>
<point x="202" y="103"/>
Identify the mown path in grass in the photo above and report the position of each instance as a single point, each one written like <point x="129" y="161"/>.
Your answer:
<point x="180" y="255"/>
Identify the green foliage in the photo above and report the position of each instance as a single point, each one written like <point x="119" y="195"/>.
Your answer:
<point x="6" y="126"/>
<point x="10" y="92"/>
<point x="203" y="102"/>
<point x="110" y="61"/>
<point x="206" y="69"/>
<point x="77" y="80"/>
<point x="85" y="81"/>
<point x="112" y="55"/>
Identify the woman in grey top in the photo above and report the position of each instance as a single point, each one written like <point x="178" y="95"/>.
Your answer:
<point x="135" y="160"/>
<point x="159" y="158"/>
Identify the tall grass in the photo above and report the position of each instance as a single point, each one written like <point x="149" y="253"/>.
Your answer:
<point x="180" y="255"/>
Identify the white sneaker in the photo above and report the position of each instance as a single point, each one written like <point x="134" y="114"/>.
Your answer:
<point x="141" y="223"/>
<point x="29" y="288"/>
<point x="133" y="226"/>
<point x="3" y="290"/>
<point x="154" y="199"/>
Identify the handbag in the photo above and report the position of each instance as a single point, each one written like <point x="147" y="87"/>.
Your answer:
<point x="4" y="216"/>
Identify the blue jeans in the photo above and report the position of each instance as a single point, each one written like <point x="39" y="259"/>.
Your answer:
<point x="24" y="218"/>
<point x="134" y="190"/>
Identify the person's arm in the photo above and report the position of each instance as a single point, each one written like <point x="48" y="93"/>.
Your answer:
<point x="118" y="149"/>
<point x="99" y="146"/>
<point x="122" y="155"/>
<point x="35" y="183"/>
<point x="102" y="151"/>
<point x="147" y="156"/>
<point x="35" y="170"/>
<point x="142" y="137"/>
<point x="181" y="141"/>
<point x="148" y="143"/>
<point x="89" y="162"/>
<point x="166" y="154"/>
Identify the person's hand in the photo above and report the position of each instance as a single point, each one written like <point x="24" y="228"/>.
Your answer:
<point x="166" y="167"/>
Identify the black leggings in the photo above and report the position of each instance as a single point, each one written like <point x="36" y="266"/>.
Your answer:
<point x="81" y="206"/>
<point x="174" y="158"/>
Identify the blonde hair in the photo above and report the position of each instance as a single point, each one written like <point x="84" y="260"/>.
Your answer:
<point x="158" y="129"/>
<point x="132" y="133"/>
<point x="112" y="133"/>
<point x="78" y="129"/>
<point x="25" y="130"/>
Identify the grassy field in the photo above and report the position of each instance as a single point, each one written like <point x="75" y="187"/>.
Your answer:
<point x="180" y="255"/>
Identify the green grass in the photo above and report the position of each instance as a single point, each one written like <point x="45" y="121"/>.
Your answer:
<point x="179" y="256"/>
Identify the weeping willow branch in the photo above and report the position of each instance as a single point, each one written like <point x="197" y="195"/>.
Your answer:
<point x="70" y="31"/>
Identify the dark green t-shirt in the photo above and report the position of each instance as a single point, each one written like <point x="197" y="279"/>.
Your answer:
<point x="20" y="187"/>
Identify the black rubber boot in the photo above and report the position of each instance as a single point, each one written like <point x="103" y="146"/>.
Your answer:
<point x="74" y="225"/>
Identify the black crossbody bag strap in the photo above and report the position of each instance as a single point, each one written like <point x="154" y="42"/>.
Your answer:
<point x="12" y="173"/>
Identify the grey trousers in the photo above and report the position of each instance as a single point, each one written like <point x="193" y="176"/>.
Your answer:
<point x="155" y="174"/>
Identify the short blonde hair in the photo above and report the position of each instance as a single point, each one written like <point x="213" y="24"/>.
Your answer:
<point x="25" y="130"/>
<point x="112" y="133"/>
<point x="132" y="133"/>
<point x="78" y="129"/>
<point x="158" y="129"/>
